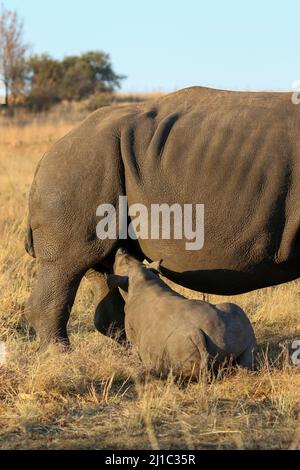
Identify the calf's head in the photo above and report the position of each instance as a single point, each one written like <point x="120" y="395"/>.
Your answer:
<point x="125" y="268"/>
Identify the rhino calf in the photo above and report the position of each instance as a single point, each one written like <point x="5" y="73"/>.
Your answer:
<point x="171" y="332"/>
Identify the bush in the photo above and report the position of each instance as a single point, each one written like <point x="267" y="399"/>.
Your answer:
<point x="99" y="100"/>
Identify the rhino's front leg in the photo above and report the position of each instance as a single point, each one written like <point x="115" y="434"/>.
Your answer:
<point x="109" y="314"/>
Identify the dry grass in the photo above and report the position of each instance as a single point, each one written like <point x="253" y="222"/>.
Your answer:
<point x="98" y="396"/>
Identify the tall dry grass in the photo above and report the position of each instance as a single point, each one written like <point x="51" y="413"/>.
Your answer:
<point x="98" y="395"/>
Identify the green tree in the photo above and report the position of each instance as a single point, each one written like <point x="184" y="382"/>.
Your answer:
<point x="43" y="77"/>
<point x="87" y="75"/>
<point x="49" y="81"/>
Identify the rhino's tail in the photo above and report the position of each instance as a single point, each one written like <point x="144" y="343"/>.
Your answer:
<point x="29" y="240"/>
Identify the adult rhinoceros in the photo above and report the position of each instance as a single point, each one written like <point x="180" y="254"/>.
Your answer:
<point x="238" y="153"/>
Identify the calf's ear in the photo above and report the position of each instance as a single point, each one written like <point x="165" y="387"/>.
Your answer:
<point x="155" y="266"/>
<point x="114" y="281"/>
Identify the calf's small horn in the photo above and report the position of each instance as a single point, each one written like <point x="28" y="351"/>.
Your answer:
<point x="155" y="266"/>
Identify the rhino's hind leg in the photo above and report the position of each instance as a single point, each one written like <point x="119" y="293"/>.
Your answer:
<point x="50" y="303"/>
<point x="195" y="357"/>
<point x="248" y="359"/>
<point x="109" y="316"/>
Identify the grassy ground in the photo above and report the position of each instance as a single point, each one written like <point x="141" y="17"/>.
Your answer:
<point x="98" y="396"/>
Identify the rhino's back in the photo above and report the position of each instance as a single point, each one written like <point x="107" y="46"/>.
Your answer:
<point x="235" y="152"/>
<point x="227" y="329"/>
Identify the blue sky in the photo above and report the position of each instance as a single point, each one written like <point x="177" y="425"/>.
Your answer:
<point x="170" y="44"/>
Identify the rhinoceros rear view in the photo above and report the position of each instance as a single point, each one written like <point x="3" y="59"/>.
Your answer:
<point x="237" y="153"/>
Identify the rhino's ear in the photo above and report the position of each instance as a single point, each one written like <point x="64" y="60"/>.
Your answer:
<point x="155" y="266"/>
<point x="114" y="281"/>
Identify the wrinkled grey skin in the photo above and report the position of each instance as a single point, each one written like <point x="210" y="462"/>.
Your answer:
<point x="171" y="332"/>
<point x="238" y="153"/>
